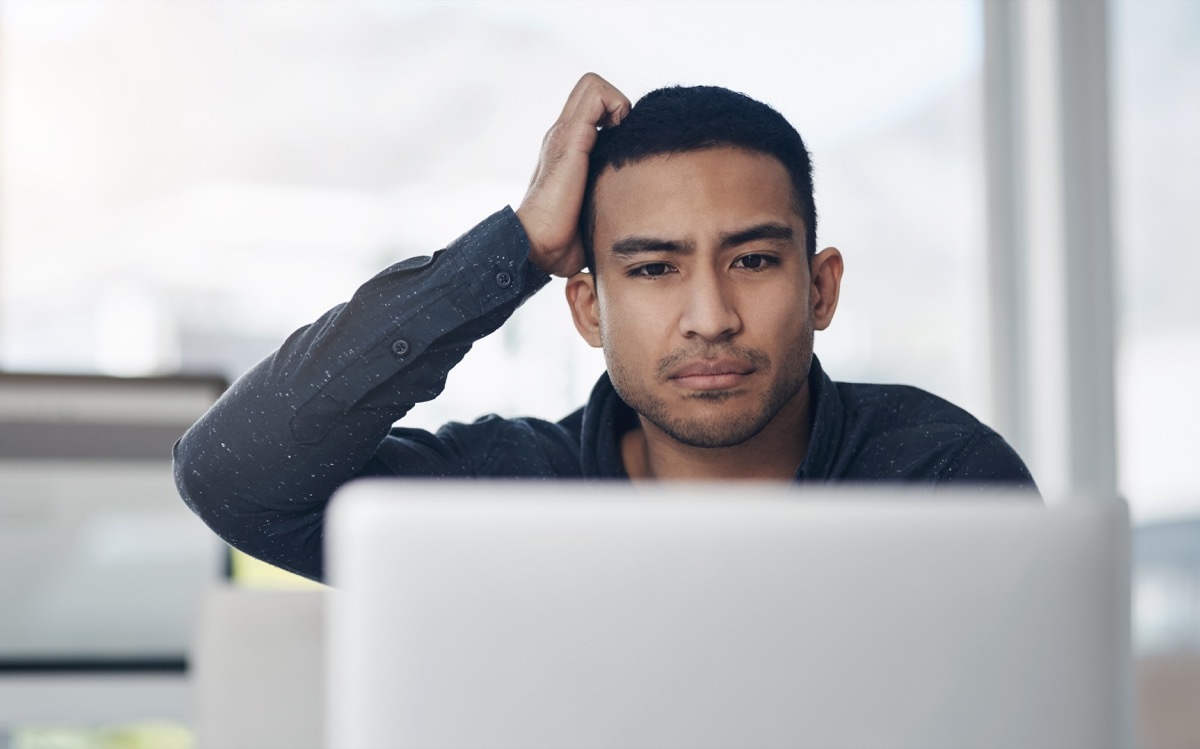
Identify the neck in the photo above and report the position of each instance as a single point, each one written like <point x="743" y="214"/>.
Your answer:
<point x="775" y="453"/>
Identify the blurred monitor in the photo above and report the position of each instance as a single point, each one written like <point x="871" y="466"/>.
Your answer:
<point x="718" y="615"/>
<point x="101" y="563"/>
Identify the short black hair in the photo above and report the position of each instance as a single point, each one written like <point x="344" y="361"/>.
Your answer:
<point x="678" y="119"/>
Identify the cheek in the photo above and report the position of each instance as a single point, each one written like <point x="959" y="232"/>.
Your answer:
<point x="626" y="320"/>
<point x="783" y="313"/>
<point x="621" y="337"/>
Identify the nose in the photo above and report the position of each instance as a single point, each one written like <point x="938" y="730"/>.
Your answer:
<point x="708" y="311"/>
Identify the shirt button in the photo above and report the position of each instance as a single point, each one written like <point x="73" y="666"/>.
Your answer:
<point x="503" y="280"/>
<point x="399" y="347"/>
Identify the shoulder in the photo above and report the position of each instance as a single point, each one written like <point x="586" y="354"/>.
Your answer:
<point x="902" y="407"/>
<point x="898" y="431"/>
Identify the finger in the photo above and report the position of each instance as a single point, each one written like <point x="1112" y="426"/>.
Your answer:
<point x="616" y="111"/>
<point x="602" y="108"/>
<point x="596" y="102"/>
<point x="581" y="93"/>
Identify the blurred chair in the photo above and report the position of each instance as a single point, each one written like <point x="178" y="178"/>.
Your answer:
<point x="258" y="669"/>
<point x="1168" y="687"/>
<point x="1166" y="556"/>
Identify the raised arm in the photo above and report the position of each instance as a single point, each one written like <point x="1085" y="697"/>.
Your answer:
<point x="550" y="210"/>
<point x="261" y="465"/>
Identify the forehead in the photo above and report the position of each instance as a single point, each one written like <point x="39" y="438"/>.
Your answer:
<point x="692" y="194"/>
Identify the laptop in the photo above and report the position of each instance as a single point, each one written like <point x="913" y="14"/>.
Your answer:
<point x="472" y="614"/>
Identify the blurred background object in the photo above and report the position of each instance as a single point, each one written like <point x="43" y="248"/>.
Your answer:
<point x="98" y="565"/>
<point x="182" y="184"/>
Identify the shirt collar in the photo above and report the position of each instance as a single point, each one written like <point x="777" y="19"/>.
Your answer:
<point x="607" y="417"/>
<point x="600" y="439"/>
<point x="829" y="418"/>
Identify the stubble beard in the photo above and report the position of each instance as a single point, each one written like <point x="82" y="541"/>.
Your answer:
<point x="718" y="430"/>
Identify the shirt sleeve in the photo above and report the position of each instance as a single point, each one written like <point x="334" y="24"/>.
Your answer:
<point x="261" y="465"/>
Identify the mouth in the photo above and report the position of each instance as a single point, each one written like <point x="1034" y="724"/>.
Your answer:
<point x="717" y="374"/>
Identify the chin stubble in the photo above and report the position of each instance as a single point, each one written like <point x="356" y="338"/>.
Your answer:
<point x="715" y="432"/>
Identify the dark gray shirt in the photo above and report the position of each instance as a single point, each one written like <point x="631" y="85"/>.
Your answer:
<point x="261" y="465"/>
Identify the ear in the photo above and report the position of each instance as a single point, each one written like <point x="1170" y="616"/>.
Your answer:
<point x="585" y="306"/>
<point x="826" y="269"/>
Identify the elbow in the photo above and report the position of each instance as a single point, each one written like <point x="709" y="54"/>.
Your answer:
<point x="241" y="510"/>
<point x="185" y="475"/>
<point x="195" y="469"/>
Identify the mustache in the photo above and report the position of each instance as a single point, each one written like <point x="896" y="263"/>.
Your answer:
<point x="671" y="362"/>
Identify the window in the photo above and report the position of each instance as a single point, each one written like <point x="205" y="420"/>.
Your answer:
<point x="183" y="184"/>
<point x="1156" y="60"/>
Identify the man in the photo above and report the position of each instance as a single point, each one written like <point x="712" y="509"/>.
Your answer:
<point x="694" y="211"/>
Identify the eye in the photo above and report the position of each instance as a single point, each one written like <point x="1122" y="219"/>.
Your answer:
<point x="755" y="261"/>
<point x="651" y="270"/>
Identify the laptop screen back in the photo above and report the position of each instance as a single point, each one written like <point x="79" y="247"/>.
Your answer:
<point x="565" y="615"/>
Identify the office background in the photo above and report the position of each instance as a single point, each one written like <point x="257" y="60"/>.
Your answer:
<point x="182" y="184"/>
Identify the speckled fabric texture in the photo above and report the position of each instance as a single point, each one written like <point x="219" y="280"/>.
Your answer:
<point x="261" y="465"/>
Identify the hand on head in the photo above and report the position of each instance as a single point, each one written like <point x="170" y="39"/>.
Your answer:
<point x="550" y="209"/>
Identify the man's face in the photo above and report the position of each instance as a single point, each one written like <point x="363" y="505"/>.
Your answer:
<point x="702" y="293"/>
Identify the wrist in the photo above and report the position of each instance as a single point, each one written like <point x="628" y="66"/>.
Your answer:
<point x="543" y="258"/>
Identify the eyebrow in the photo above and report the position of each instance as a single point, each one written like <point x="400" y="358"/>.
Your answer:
<point x="769" y="231"/>
<point x="632" y="246"/>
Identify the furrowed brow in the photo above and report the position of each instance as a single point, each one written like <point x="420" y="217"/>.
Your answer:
<point x="770" y="231"/>
<point x="632" y="246"/>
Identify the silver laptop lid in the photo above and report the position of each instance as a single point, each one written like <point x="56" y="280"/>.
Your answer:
<point x="565" y="615"/>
